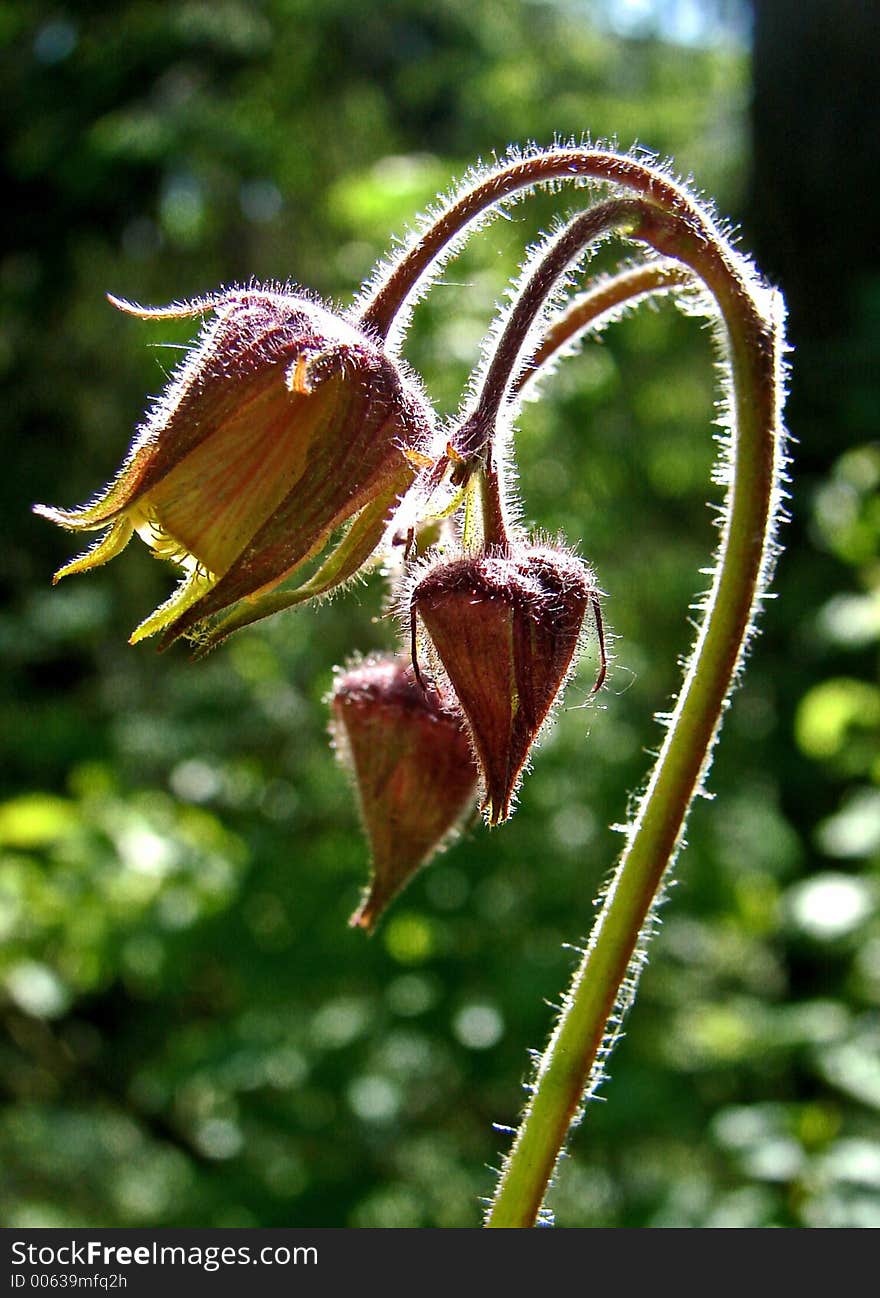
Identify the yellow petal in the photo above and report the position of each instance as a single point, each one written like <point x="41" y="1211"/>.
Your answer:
<point x="190" y="589"/>
<point x="115" y="539"/>
<point x="353" y="551"/>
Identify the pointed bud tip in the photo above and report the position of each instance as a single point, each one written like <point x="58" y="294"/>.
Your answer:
<point x="365" y="919"/>
<point x="496" y="814"/>
<point x="412" y="767"/>
<point x="61" y="517"/>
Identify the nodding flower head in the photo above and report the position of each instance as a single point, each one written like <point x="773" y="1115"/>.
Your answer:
<point x="284" y="424"/>
<point x="505" y="628"/>
<point x="410" y="757"/>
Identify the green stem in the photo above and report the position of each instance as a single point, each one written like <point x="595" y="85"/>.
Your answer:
<point x="604" y="984"/>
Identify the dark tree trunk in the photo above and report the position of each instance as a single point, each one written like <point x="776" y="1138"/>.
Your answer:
<point x="812" y="226"/>
<point x="813" y="221"/>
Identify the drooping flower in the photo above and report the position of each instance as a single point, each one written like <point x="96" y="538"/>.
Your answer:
<point x="284" y="425"/>
<point x="411" y="760"/>
<point x="505" y="627"/>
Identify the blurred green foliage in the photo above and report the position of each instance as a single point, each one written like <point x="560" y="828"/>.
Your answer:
<point x="191" y="1035"/>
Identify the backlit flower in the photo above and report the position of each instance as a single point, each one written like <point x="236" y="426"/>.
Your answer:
<point x="284" y="426"/>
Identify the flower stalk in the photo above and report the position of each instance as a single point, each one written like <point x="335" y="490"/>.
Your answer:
<point x="604" y="983"/>
<point x="383" y="307"/>
<point x="751" y="343"/>
<point x="601" y="304"/>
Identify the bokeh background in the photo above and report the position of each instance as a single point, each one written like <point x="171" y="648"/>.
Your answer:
<point x="191" y="1036"/>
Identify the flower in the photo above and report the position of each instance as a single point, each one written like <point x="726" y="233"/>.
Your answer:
<point x="411" y="760"/>
<point x="284" y="424"/>
<point x="505" y="627"/>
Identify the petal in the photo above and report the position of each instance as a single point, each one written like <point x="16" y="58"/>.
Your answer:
<point x="114" y="540"/>
<point x="473" y="635"/>
<point x="214" y="501"/>
<point x="241" y="357"/>
<point x="357" y="545"/>
<point x="105" y="507"/>
<point x="242" y="351"/>
<point x="356" y="456"/>
<point x="192" y="587"/>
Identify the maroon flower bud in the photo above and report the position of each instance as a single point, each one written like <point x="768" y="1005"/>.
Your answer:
<point x="413" y="769"/>
<point x="284" y="423"/>
<point x="505" y="627"/>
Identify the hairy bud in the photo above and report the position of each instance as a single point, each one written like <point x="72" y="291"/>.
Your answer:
<point x="505" y="627"/>
<point x="413" y="769"/>
<point x="284" y="423"/>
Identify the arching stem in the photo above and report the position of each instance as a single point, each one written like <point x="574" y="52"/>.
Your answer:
<point x="474" y="443"/>
<point x="427" y="251"/>
<point x="604" y="984"/>
<point x="475" y="435"/>
<point x="601" y="303"/>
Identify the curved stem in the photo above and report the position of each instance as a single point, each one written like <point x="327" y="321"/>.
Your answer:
<point x="604" y="984"/>
<point x="426" y="252"/>
<point x="617" y="215"/>
<point x="599" y="305"/>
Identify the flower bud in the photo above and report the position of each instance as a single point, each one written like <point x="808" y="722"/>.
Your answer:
<point x="505" y="627"/>
<point x="284" y="423"/>
<point x="413" y="769"/>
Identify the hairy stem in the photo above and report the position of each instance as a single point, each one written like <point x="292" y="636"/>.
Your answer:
<point x="426" y="252"/>
<point x="599" y="305"/>
<point x="604" y="984"/>
<point x="476" y="432"/>
<point x="495" y="535"/>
